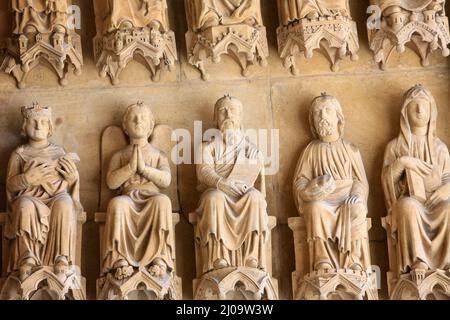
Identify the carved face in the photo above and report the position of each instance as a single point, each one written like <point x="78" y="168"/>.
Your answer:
<point x="419" y="112"/>
<point x="138" y="124"/>
<point x="326" y="119"/>
<point x="37" y="128"/>
<point x="229" y="117"/>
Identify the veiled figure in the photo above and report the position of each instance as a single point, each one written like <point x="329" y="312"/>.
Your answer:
<point x="416" y="183"/>
<point x="43" y="199"/>
<point x="43" y="16"/>
<point x="203" y="14"/>
<point x="294" y="10"/>
<point x="233" y="221"/>
<point x="127" y="14"/>
<point x="330" y="191"/>
<point x="138" y="229"/>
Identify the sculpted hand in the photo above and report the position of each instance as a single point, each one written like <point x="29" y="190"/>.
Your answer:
<point x="353" y="199"/>
<point x="133" y="165"/>
<point x="140" y="160"/>
<point x="441" y="194"/>
<point x="419" y="166"/>
<point x="230" y="188"/>
<point x="68" y="170"/>
<point x="38" y="174"/>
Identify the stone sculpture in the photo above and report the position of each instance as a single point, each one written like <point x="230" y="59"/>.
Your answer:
<point x="43" y="30"/>
<point x="219" y="27"/>
<point x="43" y="210"/>
<point x="419" y="24"/>
<point x="138" y="243"/>
<point x="330" y="190"/>
<point x="130" y="28"/>
<point x="416" y="183"/>
<point x="232" y="228"/>
<point x="308" y="25"/>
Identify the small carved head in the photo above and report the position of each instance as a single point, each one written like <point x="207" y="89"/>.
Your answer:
<point x="228" y="113"/>
<point x="138" y="121"/>
<point x="37" y="122"/>
<point x="326" y="117"/>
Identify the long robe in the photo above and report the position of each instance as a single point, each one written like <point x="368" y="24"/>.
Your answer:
<point x="422" y="234"/>
<point x="330" y="220"/>
<point x="226" y="12"/>
<point x="293" y="10"/>
<point x="42" y="219"/>
<point x="111" y="13"/>
<point x="40" y="15"/>
<point x="229" y="228"/>
<point x="139" y="225"/>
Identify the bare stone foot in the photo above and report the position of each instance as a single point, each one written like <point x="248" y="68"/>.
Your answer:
<point x="356" y="267"/>
<point x="251" y="263"/>
<point x="158" y="268"/>
<point x="313" y="15"/>
<point x="220" y="264"/>
<point x="323" y="266"/>
<point x="25" y="269"/>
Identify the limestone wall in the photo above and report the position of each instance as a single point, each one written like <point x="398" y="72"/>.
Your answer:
<point x="371" y="99"/>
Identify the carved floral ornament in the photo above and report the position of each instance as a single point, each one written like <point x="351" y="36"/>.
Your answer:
<point x="43" y="33"/>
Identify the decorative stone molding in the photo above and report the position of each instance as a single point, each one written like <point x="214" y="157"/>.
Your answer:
<point x="131" y="28"/>
<point x="420" y="25"/>
<point x="330" y="284"/>
<point x="217" y="29"/>
<point x="42" y="33"/>
<point x="138" y="282"/>
<point x="312" y="25"/>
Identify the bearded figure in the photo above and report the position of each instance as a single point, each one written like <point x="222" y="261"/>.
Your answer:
<point x="233" y="222"/>
<point x="330" y="191"/>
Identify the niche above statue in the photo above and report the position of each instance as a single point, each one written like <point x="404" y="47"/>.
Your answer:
<point x="43" y="34"/>
<point x="225" y="27"/>
<point x="132" y="29"/>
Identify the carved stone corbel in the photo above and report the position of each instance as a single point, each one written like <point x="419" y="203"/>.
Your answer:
<point x="419" y="25"/>
<point x="309" y="26"/>
<point x="225" y="28"/>
<point x="131" y="28"/>
<point x="42" y="32"/>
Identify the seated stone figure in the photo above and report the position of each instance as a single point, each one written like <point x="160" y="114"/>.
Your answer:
<point x="127" y="14"/>
<point x="330" y="190"/>
<point x="294" y="10"/>
<point x="43" y="201"/>
<point x="232" y="226"/>
<point x="43" y="16"/>
<point x="208" y="13"/>
<point x="416" y="183"/>
<point x="138" y="230"/>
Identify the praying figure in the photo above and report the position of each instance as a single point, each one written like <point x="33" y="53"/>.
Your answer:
<point x="43" y="16"/>
<point x="294" y="10"/>
<point x="127" y="14"/>
<point x="138" y="229"/>
<point x="416" y="184"/>
<point x="232" y="226"/>
<point x="43" y="199"/>
<point x="330" y="190"/>
<point x="203" y="14"/>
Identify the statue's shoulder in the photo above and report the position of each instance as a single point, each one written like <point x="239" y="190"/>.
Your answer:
<point x="350" y="145"/>
<point x="441" y="145"/>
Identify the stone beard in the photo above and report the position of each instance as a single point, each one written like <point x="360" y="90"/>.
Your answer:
<point x="294" y="10"/>
<point x="232" y="227"/>
<point x="115" y="14"/>
<point x="42" y="212"/>
<point x="207" y="13"/>
<point x="138" y="229"/>
<point x="417" y="194"/>
<point x="41" y="15"/>
<point x="335" y="214"/>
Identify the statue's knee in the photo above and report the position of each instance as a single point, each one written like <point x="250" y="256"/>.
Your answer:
<point x="63" y="205"/>
<point x="118" y="204"/>
<point x="358" y="211"/>
<point x="407" y="208"/>
<point x="163" y="201"/>
<point x="313" y="208"/>
<point x="26" y="207"/>
<point x="215" y="197"/>
<point x="255" y="196"/>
